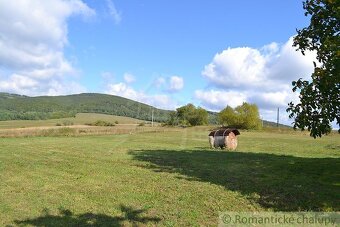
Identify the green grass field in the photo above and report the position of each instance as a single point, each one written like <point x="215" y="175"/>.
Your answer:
<point x="168" y="178"/>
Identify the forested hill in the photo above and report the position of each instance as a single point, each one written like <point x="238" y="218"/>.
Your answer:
<point x="18" y="107"/>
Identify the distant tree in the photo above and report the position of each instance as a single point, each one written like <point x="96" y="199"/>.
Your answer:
<point x="212" y="118"/>
<point x="248" y="116"/>
<point x="173" y="119"/>
<point x="319" y="97"/>
<point x="227" y="116"/>
<point x="184" y="113"/>
<point x="245" y="116"/>
<point x="189" y="115"/>
<point x="199" y="117"/>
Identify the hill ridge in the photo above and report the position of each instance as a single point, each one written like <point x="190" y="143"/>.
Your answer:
<point x="22" y="107"/>
<point x="18" y="107"/>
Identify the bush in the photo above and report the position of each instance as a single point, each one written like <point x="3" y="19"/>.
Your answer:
<point x="65" y="131"/>
<point x="100" y="123"/>
<point x="67" y="123"/>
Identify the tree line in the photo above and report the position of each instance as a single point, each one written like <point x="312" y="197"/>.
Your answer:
<point x="16" y="107"/>
<point x="245" y="116"/>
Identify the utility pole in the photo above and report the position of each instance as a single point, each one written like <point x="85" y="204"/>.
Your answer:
<point x="278" y="117"/>
<point x="152" y="118"/>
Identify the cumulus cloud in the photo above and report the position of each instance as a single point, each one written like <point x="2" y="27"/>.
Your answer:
<point x="169" y="84"/>
<point x="216" y="100"/>
<point x="159" y="82"/>
<point x="287" y="64"/>
<point x="122" y="89"/>
<point x="236" y="68"/>
<point x="114" y="13"/>
<point x="262" y="76"/>
<point x="176" y="83"/>
<point x="268" y="68"/>
<point x="129" y="78"/>
<point x="33" y="35"/>
<point x="158" y="100"/>
<point x="271" y="100"/>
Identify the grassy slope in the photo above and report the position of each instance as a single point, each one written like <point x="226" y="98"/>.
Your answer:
<point x="80" y="119"/>
<point x="170" y="178"/>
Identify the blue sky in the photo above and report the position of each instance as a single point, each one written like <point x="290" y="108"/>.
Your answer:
<point x="164" y="53"/>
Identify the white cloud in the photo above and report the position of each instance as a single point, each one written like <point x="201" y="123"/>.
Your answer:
<point x="176" y="83"/>
<point x="262" y="76"/>
<point x="159" y="82"/>
<point x="129" y="78"/>
<point x="18" y="81"/>
<point x="268" y="68"/>
<point x="287" y="64"/>
<point x="272" y="100"/>
<point x="236" y="67"/>
<point x="66" y="87"/>
<point x="161" y="101"/>
<point x="33" y="35"/>
<point x="20" y="84"/>
<point x="122" y="89"/>
<point x="107" y="76"/>
<point x="216" y="100"/>
<point x="114" y="13"/>
<point x="169" y="84"/>
<point x="157" y="100"/>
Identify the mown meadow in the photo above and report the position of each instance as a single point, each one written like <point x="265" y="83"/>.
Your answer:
<point x="168" y="177"/>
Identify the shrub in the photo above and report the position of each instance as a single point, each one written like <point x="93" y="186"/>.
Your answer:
<point x="100" y="123"/>
<point x="65" y="131"/>
<point x="67" y="122"/>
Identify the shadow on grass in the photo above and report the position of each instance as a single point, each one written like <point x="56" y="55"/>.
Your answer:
<point x="282" y="183"/>
<point x="132" y="217"/>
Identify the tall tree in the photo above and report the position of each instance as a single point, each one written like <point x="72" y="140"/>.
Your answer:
<point x="227" y="116"/>
<point x="249" y="116"/>
<point x="191" y="116"/>
<point x="244" y="116"/>
<point x="319" y="97"/>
